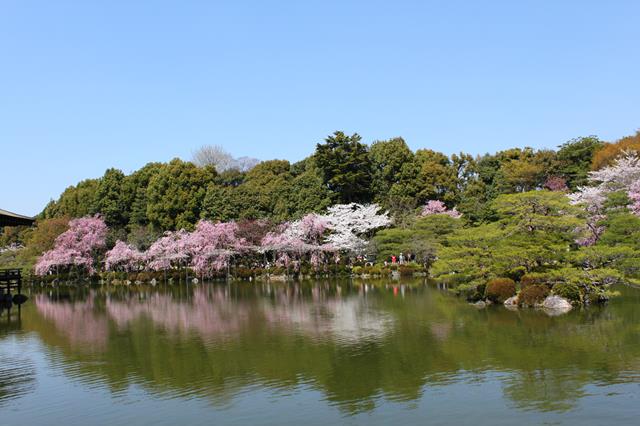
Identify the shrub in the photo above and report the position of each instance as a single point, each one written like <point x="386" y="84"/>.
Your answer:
<point x="470" y="291"/>
<point x="455" y="279"/>
<point x="516" y="273"/>
<point x="377" y="270"/>
<point x="534" y="279"/>
<point x="277" y="270"/>
<point x="569" y="291"/>
<point x="243" y="273"/>
<point x="145" y="276"/>
<point x="357" y="270"/>
<point x="481" y="289"/>
<point x="532" y="295"/>
<point x="406" y="270"/>
<point x="500" y="289"/>
<point x="340" y="269"/>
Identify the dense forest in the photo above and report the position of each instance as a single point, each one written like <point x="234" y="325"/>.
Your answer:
<point x="174" y="195"/>
<point x="465" y="218"/>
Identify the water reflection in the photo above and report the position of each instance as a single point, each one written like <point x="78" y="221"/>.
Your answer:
<point x="78" y="321"/>
<point x="17" y="376"/>
<point x="214" y="313"/>
<point x="358" y="346"/>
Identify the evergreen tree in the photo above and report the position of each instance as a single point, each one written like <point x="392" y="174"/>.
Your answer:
<point x="345" y="167"/>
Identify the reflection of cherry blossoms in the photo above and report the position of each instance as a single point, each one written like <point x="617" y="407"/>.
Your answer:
<point x="213" y="314"/>
<point x="209" y="314"/>
<point x="78" y="321"/>
<point x="348" y="319"/>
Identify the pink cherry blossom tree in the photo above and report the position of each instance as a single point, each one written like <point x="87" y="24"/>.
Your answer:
<point x="295" y="240"/>
<point x="283" y="260"/>
<point x="123" y="256"/>
<point x="634" y="196"/>
<point x="211" y="245"/>
<point x="592" y="199"/>
<point x="438" y="207"/>
<point x="622" y="175"/>
<point x="76" y="247"/>
<point x="167" y="251"/>
<point x="556" y="183"/>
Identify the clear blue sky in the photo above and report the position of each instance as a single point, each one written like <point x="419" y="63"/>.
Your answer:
<point x="87" y="85"/>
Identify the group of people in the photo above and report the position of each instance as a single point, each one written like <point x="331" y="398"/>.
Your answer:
<point x="401" y="259"/>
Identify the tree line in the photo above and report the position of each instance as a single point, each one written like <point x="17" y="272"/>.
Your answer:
<point x="443" y="207"/>
<point x="175" y="195"/>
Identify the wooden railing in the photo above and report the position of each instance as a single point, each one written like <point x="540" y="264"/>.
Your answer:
<point x="10" y="279"/>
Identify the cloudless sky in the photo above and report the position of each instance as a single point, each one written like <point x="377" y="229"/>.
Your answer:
<point x="88" y="85"/>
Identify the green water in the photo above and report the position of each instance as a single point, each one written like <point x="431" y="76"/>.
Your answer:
<point x="313" y="353"/>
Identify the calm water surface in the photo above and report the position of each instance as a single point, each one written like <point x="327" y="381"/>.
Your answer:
<point x="313" y="353"/>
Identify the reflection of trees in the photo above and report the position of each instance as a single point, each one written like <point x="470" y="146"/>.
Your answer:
<point x="78" y="321"/>
<point x="354" y="346"/>
<point x="544" y="390"/>
<point x="207" y="317"/>
<point x="212" y="313"/>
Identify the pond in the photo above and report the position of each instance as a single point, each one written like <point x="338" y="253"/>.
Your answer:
<point x="316" y="353"/>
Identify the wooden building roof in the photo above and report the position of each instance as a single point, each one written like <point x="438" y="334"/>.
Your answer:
<point x="14" y="219"/>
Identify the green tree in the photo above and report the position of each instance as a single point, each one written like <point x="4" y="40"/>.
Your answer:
<point x="526" y="172"/>
<point x="223" y="203"/>
<point x="533" y="232"/>
<point x="387" y="159"/>
<point x="344" y="164"/>
<point x="475" y="201"/>
<point x="263" y="193"/>
<point x="266" y="187"/>
<point x="175" y="194"/>
<point x="423" y="238"/>
<point x="135" y="187"/>
<point x="575" y="158"/>
<point x="231" y="177"/>
<point x="619" y="245"/>
<point x="75" y="201"/>
<point x="111" y="201"/>
<point x="431" y="176"/>
<point x="307" y="192"/>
